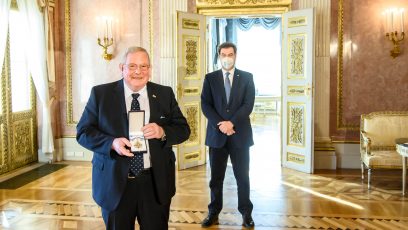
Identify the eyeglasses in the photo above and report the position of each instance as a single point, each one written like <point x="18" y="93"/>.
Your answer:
<point x="133" y="67"/>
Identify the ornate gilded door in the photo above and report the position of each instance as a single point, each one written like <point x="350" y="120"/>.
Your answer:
<point x="18" y="127"/>
<point x="191" y="38"/>
<point x="297" y="90"/>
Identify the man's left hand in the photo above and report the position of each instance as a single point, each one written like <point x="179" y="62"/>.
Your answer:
<point x="152" y="130"/>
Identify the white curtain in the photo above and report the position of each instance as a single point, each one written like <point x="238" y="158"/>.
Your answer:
<point x="4" y="17"/>
<point x="49" y="41"/>
<point x="37" y="56"/>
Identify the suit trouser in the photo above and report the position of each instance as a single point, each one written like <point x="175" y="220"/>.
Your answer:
<point x="240" y="165"/>
<point x="138" y="201"/>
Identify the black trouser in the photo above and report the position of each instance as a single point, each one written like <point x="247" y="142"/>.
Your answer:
<point x="138" y="201"/>
<point x="240" y="165"/>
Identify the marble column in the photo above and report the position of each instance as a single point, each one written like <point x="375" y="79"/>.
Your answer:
<point x="168" y="42"/>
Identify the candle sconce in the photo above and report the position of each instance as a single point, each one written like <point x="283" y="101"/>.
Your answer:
<point x="393" y="36"/>
<point x="394" y="22"/>
<point x="105" y="27"/>
<point x="106" y="43"/>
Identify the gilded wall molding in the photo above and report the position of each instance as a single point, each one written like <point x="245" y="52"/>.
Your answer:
<point x="68" y="68"/>
<point x="219" y="3"/>
<point x="296" y="51"/>
<point x="191" y="52"/>
<point x="242" y="7"/>
<point x="151" y="33"/>
<point x="340" y="44"/>
<point x="295" y="158"/>
<point x="192" y="113"/>
<point x="296" y="126"/>
<point x="18" y="130"/>
<point x="68" y="64"/>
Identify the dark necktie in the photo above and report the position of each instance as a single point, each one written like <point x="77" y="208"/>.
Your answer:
<point x="227" y="85"/>
<point x="136" y="162"/>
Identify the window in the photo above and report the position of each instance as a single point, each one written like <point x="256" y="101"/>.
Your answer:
<point x="19" y="73"/>
<point x="259" y="52"/>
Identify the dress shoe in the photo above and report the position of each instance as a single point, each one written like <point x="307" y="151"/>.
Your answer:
<point x="211" y="219"/>
<point x="247" y="221"/>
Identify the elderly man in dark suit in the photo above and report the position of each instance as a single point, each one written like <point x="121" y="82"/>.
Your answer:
<point x="227" y="100"/>
<point x="124" y="190"/>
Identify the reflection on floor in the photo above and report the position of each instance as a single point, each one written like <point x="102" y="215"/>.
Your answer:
<point x="283" y="198"/>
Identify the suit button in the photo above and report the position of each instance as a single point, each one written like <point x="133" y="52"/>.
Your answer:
<point x="227" y="110"/>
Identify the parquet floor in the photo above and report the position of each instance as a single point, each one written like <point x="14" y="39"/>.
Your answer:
<point x="283" y="198"/>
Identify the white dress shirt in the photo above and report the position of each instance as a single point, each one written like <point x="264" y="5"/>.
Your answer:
<point x="144" y="105"/>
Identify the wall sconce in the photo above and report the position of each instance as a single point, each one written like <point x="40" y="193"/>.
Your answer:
<point x="105" y="35"/>
<point x="394" y="22"/>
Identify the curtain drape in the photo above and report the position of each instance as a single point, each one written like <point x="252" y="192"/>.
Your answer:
<point x="226" y="30"/>
<point x="246" y="23"/>
<point x="36" y="56"/>
<point x="4" y="18"/>
<point x="49" y="41"/>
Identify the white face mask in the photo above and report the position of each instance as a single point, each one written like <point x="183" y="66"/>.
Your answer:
<point x="227" y="63"/>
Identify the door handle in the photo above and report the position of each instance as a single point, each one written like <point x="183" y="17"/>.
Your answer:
<point x="308" y="90"/>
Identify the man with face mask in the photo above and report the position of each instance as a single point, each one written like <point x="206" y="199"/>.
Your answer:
<point x="227" y="100"/>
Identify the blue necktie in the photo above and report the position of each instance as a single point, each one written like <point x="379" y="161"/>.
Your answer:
<point x="227" y="86"/>
<point x="136" y="162"/>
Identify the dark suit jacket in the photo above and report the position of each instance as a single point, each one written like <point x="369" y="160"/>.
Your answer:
<point x="105" y="118"/>
<point x="215" y="108"/>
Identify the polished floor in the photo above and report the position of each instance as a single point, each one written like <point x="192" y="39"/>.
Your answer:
<point x="283" y="198"/>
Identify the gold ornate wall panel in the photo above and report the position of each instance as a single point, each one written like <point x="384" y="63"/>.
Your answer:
<point x="296" y="90"/>
<point x="242" y="7"/>
<point x="22" y="152"/>
<point x="295" y="158"/>
<point x="296" y="125"/>
<point x="297" y="21"/>
<point x="191" y="52"/>
<point x="191" y="91"/>
<point x="190" y="24"/>
<point x="296" y="56"/>
<point x="3" y="140"/>
<point x="5" y="98"/>
<point x="18" y="130"/>
<point x="193" y="156"/>
<point x="192" y="113"/>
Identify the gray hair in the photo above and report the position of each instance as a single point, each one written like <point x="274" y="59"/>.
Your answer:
<point x="134" y="49"/>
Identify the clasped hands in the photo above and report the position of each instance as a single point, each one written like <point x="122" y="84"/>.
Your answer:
<point x="226" y="127"/>
<point x="150" y="131"/>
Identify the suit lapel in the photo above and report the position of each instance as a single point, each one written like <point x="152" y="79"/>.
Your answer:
<point x="220" y="82"/>
<point x="119" y="95"/>
<point x="235" y="85"/>
<point x="153" y="104"/>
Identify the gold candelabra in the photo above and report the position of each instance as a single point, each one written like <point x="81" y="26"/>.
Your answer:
<point x="393" y="36"/>
<point x="105" y="35"/>
<point x="394" y="22"/>
<point x="105" y="43"/>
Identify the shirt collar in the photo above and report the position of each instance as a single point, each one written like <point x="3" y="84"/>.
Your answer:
<point x="129" y="92"/>
<point x="231" y="72"/>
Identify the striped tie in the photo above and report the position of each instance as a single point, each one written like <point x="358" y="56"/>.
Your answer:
<point x="227" y="86"/>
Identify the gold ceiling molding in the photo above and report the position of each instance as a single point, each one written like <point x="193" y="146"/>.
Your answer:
<point x="242" y="7"/>
<point x="340" y="42"/>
